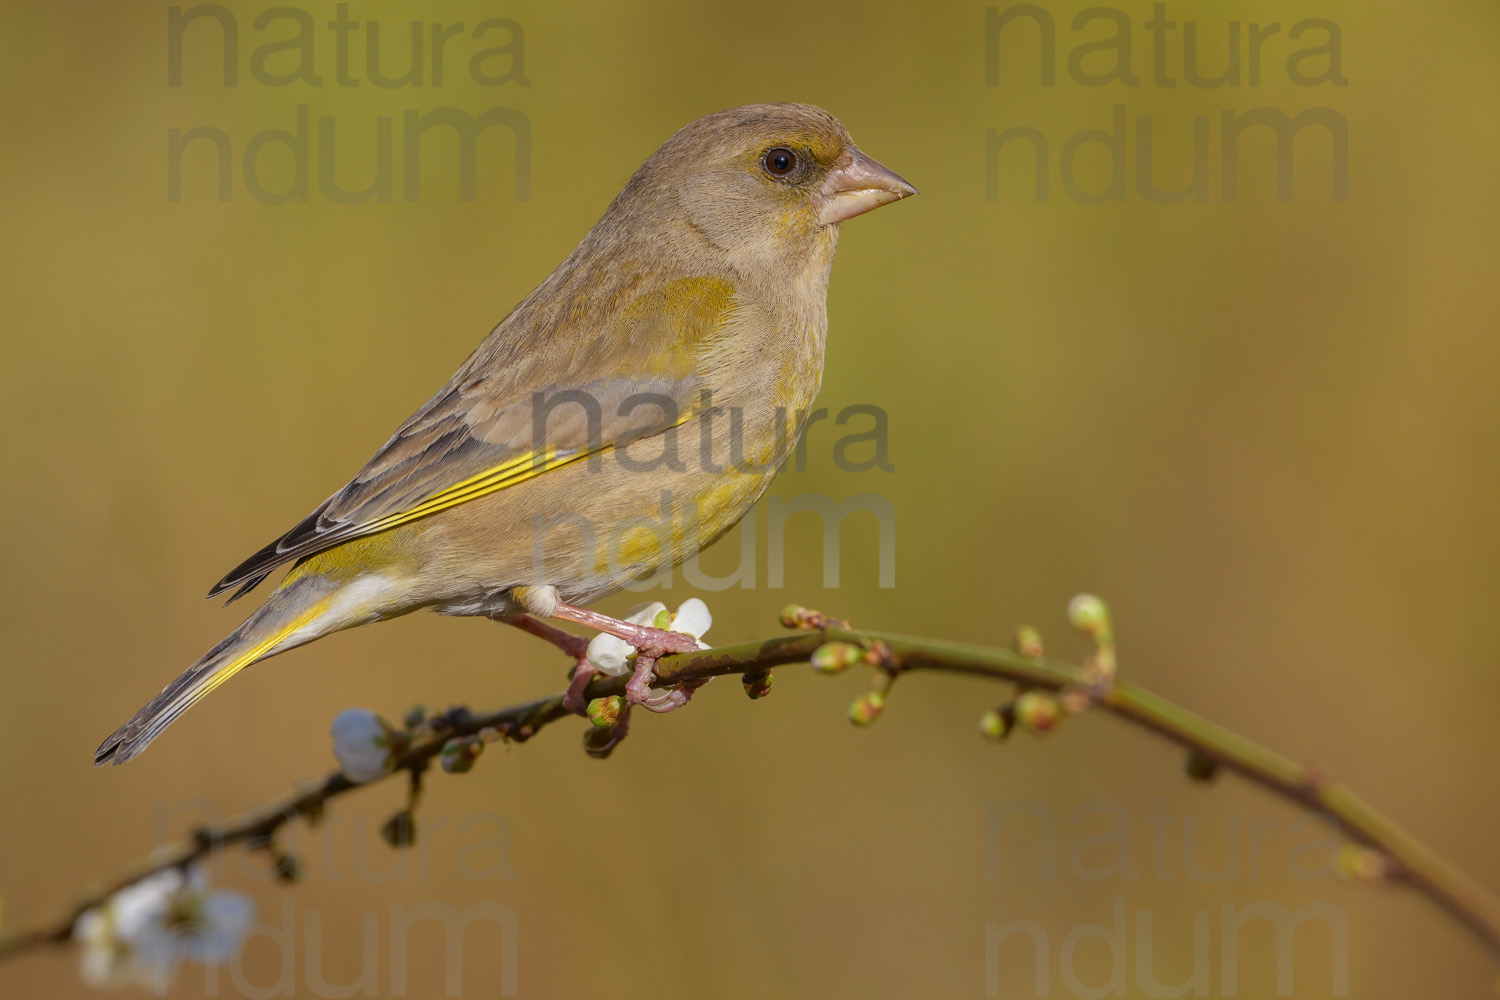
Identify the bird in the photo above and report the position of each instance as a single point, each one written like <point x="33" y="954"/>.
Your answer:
<point x="625" y="414"/>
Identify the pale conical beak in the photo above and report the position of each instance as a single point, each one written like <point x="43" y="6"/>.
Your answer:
<point x="856" y="185"/>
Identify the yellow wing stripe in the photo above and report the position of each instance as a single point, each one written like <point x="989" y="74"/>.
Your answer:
<point x="517" y="470"/>
<point x="507" y="474"/>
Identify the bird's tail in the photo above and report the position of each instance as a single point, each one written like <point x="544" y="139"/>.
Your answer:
<point x="289" y="618"/>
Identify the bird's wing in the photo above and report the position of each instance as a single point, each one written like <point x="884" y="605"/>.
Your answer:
<point x="516" y="410"/>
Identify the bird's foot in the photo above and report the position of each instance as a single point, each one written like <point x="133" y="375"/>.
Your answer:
<point x="654" y="643"/>
<point x="638" y="689"/>
<point x="651" y="644"/>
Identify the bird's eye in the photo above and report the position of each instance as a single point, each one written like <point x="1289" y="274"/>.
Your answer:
<point x="779" y="161"/>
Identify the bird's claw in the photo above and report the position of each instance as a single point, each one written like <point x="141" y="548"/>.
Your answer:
<point x="654" y="643"/>
<point x="651" y="645"/>
<point x="638" y="689"/>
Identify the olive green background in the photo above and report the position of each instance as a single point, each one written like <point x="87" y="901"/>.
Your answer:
<point x="1265" y="431"/>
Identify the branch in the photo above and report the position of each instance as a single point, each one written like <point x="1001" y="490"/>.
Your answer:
<point x="1399" y="857"/>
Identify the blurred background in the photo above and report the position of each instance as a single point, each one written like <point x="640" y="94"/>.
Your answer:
<point x="1264" y="429"/>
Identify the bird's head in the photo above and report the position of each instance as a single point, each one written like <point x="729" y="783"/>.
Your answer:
<point x="762" y="183"/>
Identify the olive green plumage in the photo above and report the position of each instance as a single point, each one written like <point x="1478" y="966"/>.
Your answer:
<point x="628" y="411"/>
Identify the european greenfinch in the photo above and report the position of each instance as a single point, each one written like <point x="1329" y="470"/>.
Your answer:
<point x="627" y="413"/>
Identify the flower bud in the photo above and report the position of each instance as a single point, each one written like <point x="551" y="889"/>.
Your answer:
<point x="400" y="830"/>
<point x="605" y="712"/>
<point x="1038" y="711"/>
<point x="757" y="684"/>
<point x="867" y="708"/>
<point x="836" y="657"/>
<point x="1358" y="863"/>
<point x="1028" y="642"/>
<point x="1089" y="615"/>
<point x="996" y="724"/>
<point x="794" y="616"/>
<point x="458" y="755"/>
<point x="414" y="716"/>
<point x="364" y="744"/>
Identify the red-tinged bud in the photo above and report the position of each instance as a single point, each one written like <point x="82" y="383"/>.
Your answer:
<point x="458" y="755"/>
<point x="605" y="712"/>
<point x="836" y="657"/>
<point x="867" y="708"/>
<point x="1038" y="711"/>
<point x="757" y="685"/>
<point x="1028" y="642"/>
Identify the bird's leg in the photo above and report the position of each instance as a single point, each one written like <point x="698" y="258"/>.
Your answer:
<point x="575" y="646"/>
<point x="573" y="697"/>
<point x="651" y="641"/>
<point x="651" y="645"/>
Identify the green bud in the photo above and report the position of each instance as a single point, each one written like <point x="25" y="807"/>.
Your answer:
<point x="794" y="616"/>
<point x="400" y="830"/>
<point x="605" y="712"/>
<point x="757" y="685"/>
<point x="458" y="755"/>
<point x="414" y="716"/>
<point x="1028" y="642"/>
<point x="1038" y="711"/>
<point x="836" y="657"/>
<point x="867" y="708"/>
<point x="995" y="725"/>
<point x="663" y="619"/>
<point x="1089" y="615"/>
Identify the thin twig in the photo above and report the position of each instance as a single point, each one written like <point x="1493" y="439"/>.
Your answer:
<point x="1410" y="862"/>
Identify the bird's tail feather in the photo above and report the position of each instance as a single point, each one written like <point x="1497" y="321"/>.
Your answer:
<point x="263" y="634"/>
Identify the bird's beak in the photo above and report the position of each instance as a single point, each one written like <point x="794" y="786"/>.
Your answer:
<point x="857" y="184"/>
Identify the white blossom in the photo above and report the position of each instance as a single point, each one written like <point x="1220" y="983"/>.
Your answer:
<point x="611" y="655"/>
<point x="142" y="933"/>
<point x="364" y="745"/>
